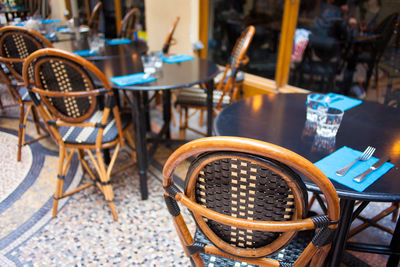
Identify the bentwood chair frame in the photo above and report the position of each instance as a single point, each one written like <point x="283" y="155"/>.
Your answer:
<point x="227" y="192"/>
<point x="94" y="20"/>
<point x="225" y="91"/>
<point x="64" y="107"/>
<point x="16" y="43"/>
<point x="128" y="24"/>
<point x="170" y="40"/>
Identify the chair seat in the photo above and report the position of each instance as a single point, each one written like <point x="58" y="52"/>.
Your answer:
<point x="198" y="97"/>
<point x="239" y="77"/>
<point x="23" y="92"/>
<point x="88" y="135"/>
<point x="288" y="254"/>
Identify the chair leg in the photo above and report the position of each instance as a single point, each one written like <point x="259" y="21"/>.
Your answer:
<point x="183" y="121"/>
<point x="105" y="180"/>
<point x="36" y="119"/>
<point x="395" y="213"/>
<point x="20" y="130"/>
<point x="60" y="181"/>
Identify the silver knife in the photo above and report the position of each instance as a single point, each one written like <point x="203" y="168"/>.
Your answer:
<point x="377" y="165"/>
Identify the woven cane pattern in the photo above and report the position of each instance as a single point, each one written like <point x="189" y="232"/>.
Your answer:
<point x="55" y="75"/>
<point x="239" y="47"/>
<point x="244" y="189"/>
<point x="288" y="254"/>
<point x="20" y="46"/>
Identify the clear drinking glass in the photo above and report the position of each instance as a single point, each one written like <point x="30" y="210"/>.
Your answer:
<point x="316" y="103"/>
<point x="329" y="122"/>
<point x="148" y="64"/>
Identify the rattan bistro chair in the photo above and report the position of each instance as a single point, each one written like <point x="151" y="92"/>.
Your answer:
<point x="70" y="104"/>
<point x="94" y="20"/>
<point x="225" y="90"/>
<point x="170" y="41"/>
<point x="248" y="204"/>
<point x="16" y="44"/>
<point x="128" y="24"/>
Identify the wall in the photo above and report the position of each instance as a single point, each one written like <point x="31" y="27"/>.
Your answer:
<point x="160" y="14"/>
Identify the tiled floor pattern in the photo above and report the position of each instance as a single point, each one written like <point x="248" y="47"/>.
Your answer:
<point x="84" y="233"/>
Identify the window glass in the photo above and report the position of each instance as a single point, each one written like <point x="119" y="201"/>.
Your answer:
<point x="345" y="42"/>
<point x="230" y="18"/>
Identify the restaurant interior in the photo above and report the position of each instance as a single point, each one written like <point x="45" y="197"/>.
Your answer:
<point x="199" y="133"/>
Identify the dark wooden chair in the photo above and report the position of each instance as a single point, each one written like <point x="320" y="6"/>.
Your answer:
<point x="94" y="19"/>
<point x="249" y="204"/>
<point x="227" y="84"/>
<point x="71" y="107"/>
<point x="16" y="44"/>
<point x="371" y="51"/>
<point x="169" y="41"/>
<point x="128" y="24"/>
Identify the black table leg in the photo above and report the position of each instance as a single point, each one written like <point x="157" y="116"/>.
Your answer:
<point x="139" y="122"/>
<point x="339" y="240"/>
<point x="210" y="88"/>
<point x="167" y="112"/>
<point x="146" y="104"/>
<point x="395" y="246"/>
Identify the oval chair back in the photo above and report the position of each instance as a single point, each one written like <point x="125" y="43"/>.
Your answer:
<point x="16" y="44"/>
<point x="128" y="24"/>
<point x="249" y="202"/>
<point x="94" y="20"/>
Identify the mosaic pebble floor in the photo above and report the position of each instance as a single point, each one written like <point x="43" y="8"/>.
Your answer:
<point x="84" y="233"/>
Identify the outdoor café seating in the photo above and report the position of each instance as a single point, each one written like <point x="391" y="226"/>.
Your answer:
<point x="284" y="155"/>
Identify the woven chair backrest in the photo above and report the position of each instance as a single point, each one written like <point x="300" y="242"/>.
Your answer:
<point x="128" y="24"/>
<point x="242" y="45"/>
<point x="62" y="75"/>
<point x="248" y="187"/>
<point x="19" y="43"/>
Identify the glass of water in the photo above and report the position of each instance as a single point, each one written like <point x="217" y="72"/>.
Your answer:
<point x="316" y="103"/>
<point x="329" y="122"/>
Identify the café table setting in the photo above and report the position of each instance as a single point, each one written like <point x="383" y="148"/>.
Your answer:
<point x="292" y="121"/>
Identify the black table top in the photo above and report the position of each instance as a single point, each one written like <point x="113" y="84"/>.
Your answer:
<point x="172" y="76"/>
<point x="280" y="119"/>
<point x="122" y="50"/>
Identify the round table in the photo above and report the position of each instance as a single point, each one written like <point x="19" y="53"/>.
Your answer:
<point x="281" y="119"/>
<point x="171" y="76"/>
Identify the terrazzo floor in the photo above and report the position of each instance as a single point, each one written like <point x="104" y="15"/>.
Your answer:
<point x="84" y="234"/>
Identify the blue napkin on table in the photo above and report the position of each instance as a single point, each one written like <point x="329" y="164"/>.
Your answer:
<point x="51" y="36"/>
<point x="47" y="21"/>
<point x="131" y="79"/>
<point x="85" y="53"/>
<point x="118" y="41"/>
<point x="342" y="102"/>
<point x="344" y="156"/>
<point x="177" y="58"/>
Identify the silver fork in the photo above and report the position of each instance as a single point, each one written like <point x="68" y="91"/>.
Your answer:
<point x="366" y="155"/>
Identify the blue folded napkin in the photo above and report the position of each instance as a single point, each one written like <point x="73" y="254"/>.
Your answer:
<point x="20" y="24"/>
<point x="131" y="79"/>
<point x="118" y="41"/>
<point x="50" y="36"/>
<point x="344" y="156"/>
<point x="47" y="21"/>
<point x="342" y="102"/>
<point x="177" y="58"/>
<point x="85" y="53"/>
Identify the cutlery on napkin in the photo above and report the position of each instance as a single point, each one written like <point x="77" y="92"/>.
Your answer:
<point x="359" y="178"/>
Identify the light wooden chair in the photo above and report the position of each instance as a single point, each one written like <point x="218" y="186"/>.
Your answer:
<point x="226" y="89"/>
<point x="16" y="44"/>
<point x="249" y="204"/>
<point x="170" y="41"/>
<point x="71" y="107"/>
